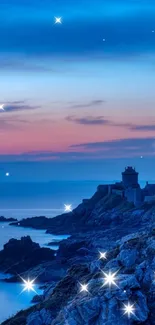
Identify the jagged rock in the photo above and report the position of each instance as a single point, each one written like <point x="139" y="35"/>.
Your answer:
<point x="113" y="264"/>
<point x="100" y="310"/>
<point x="48" y="290"/>
<point x="70" y="247"/>
<point x="128" y="282"/>
<point x="21" y="255"/>
<point x="95" y="266"/>
<point x="127" y="257"/>
<point x="42" y="317"/>
<point x="83" y="251"/>
<point x="37" y="298"/>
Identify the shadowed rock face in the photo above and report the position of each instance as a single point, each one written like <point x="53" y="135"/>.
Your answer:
<point x="20" y="255"/>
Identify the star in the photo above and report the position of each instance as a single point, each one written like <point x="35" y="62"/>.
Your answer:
<point x="58" y="20"/>
<point x="28" y="285"/>
<point x="7" y="174"/>
<point x="2" y="107"/>
<point x="141" y="157"/>
<point x="152" y="31"/>
<point x="102" y="255"/>
<point x="68" y="207"/>
<point x="84" y="287"/>
<point x="129" y="309"/>
<point x="110" y="279"/>
<point x="103" y="39"/>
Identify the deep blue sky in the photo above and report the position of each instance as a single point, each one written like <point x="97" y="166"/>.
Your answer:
<point x="78" y="97"/>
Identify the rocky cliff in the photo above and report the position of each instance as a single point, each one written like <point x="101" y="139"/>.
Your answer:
<point x="127" y="235"/>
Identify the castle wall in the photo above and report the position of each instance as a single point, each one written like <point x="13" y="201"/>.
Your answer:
<point x="149" y="198"/>
<point x="133" y="195"/>
<point x="118" y="192"/>
<point x="103" y="188"/>
<point x="149" y="190"/>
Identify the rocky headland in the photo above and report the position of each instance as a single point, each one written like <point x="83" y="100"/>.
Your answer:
<point x="104" y="223"/>
<point x="3" y="219"/>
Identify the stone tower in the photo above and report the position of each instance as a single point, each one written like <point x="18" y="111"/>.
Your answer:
<point x="130" y="177"/>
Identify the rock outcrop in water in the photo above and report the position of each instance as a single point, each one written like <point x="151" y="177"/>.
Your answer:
<point x="3" y="219"/>
<point x="127" y="235"/>
<point x="20" y="255"/>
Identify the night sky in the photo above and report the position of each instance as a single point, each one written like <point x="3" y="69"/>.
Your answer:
<point x="78" y="97"/>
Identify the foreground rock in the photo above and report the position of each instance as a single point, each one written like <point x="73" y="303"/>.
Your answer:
<point x="131" y="258"/>
<point x="20" y="255"/>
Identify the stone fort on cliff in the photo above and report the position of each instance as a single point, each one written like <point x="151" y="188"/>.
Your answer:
<point x="130" y="189"/>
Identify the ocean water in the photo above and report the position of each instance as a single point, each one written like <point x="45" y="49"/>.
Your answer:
<point x="10" y="294"/>
<point x="13" y="299"/>
<point x="28" y="200"/>
<point x="44" y="198"/>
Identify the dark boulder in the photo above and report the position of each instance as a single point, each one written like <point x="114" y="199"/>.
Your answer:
<point x="20" y="255"/>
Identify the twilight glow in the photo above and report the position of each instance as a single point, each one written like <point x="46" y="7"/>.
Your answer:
<point x="79" y="99"/>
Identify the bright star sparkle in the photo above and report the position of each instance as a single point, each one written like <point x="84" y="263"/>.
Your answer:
<point x="129" y="309"/>
<point x="58" y="20"/>
<point x="28" y="285"/>
<point x="110" y="279"/>
<point x="2" y="107"/>
<point x="68" y="207"/>
<point x="84" y="287"/>
<point x="102" y="255"/>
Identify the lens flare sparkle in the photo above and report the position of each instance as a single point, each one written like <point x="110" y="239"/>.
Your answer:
<point x="2" y="107"/>
<point x="84" y="287"/>
<point x="58" y="20"/>
<point x="129" y="309"/>
<point x="103" y="255"/>
<point x="68" y="207"/>
<point x="110" y="279"/>
<point x="28" y="285"/>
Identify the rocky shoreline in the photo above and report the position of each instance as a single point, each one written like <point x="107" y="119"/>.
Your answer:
<point x="104" y="223"/>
